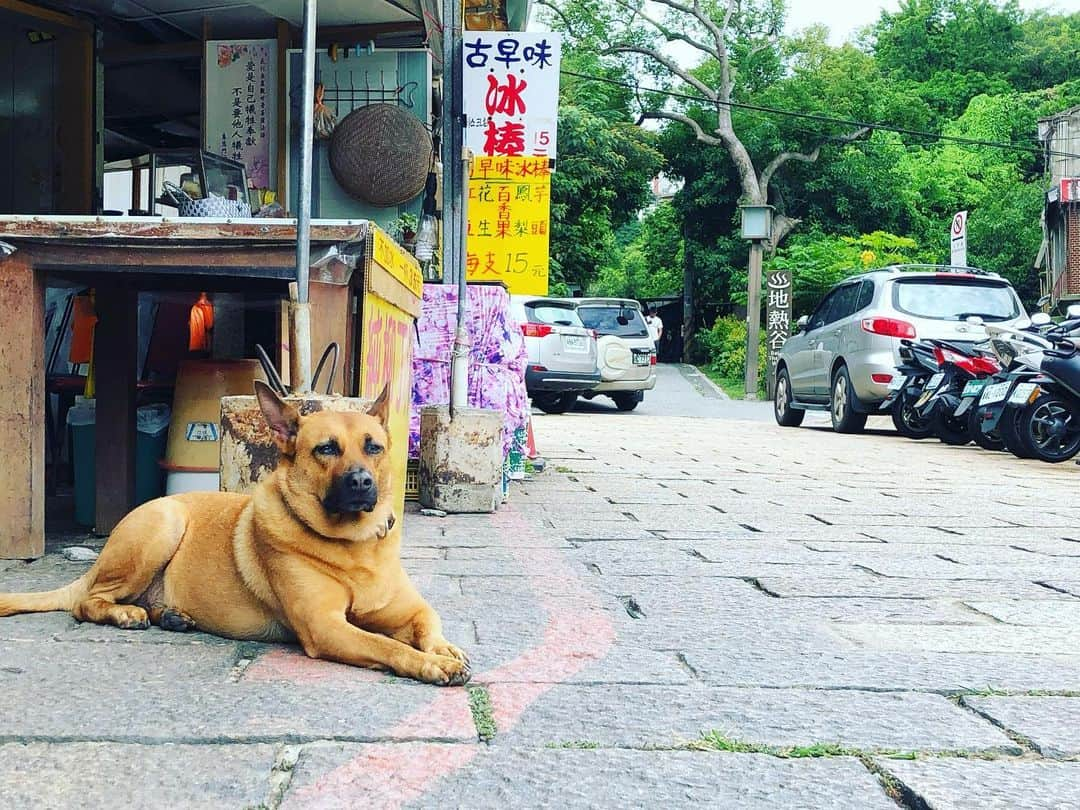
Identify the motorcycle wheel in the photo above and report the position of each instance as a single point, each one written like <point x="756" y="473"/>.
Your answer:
<point x="907" y="421"/>
<point x="987" y="441"/>
<point x="948" y="428"/>
<point x="1051" y="428"/>
<point x="1008" y="428"/>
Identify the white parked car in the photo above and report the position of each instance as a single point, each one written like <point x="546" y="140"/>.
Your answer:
<point x="626" y="353"/>
<point x="562" y="352"/>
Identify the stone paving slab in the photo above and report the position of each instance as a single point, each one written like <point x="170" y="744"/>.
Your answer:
<point x="963" y="784"/>
<point x="110" y="775"/>
<point x="504" y="777"/>
<point x="650" y="716"/>
<point x="959" y="639"/>
<point x="1044" y="613"/>
<point x="159" y="693"/>
<point x="1052" y="723"/>
<point x="877" y="587"/>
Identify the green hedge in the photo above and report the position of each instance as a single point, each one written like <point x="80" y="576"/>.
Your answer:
<point x="726" y="343"/>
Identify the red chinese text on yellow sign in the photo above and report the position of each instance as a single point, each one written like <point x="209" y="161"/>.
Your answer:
<point x="509" y="212"/>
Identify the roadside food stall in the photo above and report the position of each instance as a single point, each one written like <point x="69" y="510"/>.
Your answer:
<point x="150" y="166"/>
<point x="366" y="302"/>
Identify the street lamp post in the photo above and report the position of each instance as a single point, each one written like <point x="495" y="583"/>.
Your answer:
<point x="757" y="228"/>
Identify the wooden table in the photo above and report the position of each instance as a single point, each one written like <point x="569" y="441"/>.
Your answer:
<point x="118" y="257"/>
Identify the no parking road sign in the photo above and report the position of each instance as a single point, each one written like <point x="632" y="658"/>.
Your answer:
<point x="958" y="239"/>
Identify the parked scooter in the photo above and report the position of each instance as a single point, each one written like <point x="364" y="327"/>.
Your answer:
<point x="941" y="400"/>
<point x="1034" y="404"/>
<point x="918" y="364"/>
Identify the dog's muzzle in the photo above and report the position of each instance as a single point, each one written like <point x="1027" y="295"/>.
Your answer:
<point x="354" y="491"/>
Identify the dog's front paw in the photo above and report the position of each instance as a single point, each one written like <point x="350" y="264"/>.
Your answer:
<point x="444" y="647"/>
<point x="445" y="670"/>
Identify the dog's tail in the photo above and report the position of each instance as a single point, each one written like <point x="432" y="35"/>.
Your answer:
<point x="61" y="599"/>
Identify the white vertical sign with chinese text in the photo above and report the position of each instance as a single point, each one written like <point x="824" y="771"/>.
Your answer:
<point x="241" y="107"/>
<point x="958" y="239"/>
<point x="777" y="314"/>
<point x="511" y="93"/>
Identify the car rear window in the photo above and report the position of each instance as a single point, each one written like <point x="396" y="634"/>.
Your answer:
<point x="614" y="320"/>
<point x="955" y="299"/>
<point x="552" y="313"/>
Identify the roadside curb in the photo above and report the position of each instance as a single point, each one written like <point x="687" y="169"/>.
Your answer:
<point x="695" y="376"/>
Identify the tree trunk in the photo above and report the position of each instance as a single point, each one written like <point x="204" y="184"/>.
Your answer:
<point x="687" y="303"/>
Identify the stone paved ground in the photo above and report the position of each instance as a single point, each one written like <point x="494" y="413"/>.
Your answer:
<point x="680" y="611"/>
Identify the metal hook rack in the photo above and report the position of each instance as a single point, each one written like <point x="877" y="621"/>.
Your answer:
<point x="352" y="96"/>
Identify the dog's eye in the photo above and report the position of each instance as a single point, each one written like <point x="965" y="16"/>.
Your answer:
<point x="329" y="448"/>
<point x="371" y="448"/>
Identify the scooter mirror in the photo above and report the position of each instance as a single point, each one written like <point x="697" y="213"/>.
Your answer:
<point x="1073" y="311"/>
<point x="1042" y="302"/>
<point x="974" y="320"/>
<point x="802" y="322"/>
<point x="1041" y="319"/>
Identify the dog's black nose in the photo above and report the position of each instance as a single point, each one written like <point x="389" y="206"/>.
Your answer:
<point x="358" y="481"/>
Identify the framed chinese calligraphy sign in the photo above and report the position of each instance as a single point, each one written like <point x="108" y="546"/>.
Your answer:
<point x="778" y="317"/>
<point x="509" y="212"/>
<point x="510" y="93"/>
<point x="240" y="106"/>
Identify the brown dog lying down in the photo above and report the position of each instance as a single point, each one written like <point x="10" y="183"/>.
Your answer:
<point x="311" y="555"/>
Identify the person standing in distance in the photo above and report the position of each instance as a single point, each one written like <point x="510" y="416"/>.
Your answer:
<point x="656" y="328"/>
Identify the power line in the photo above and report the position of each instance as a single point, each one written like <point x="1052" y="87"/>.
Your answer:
<point x="1034" y="149"/>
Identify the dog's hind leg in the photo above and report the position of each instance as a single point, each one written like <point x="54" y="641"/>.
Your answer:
<point x="137" y="551"/>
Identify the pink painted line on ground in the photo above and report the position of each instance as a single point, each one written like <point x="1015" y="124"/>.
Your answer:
<point x="293" y="666"/>
<point x="390" y="775"/>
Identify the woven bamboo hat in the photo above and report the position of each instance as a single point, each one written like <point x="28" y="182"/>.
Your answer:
<point x="381" y="154"/>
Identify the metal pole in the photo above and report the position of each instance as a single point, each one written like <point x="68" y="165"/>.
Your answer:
<point x="454" y="201"/>
<point x="300" y="339"/>
<point x="753" y="319"/>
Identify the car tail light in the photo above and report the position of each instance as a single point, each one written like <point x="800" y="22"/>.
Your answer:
<point x="536" y="329"/>
<point x="539" y="368"/>
<point x="652" y="358"/>
<point x="889" y="327"/>
<point x="883" y="379"/>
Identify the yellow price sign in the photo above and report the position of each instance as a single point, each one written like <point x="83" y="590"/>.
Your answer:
<point x="509" y="223"/>
<point x="387" y="253"/>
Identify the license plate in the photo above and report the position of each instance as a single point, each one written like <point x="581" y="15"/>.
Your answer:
<point x="994" y="393"/>
<point x="1022" y="393"/>
<point x="574" y="343"/>
<point x="641" y="359"/>
<point x="897" y="383"/>
<point x="974" y="388"/>
<point x="933" y="383"/>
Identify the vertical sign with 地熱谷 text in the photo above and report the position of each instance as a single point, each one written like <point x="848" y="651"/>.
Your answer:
<point x="240" y="105"/>
<point x="509" y="211"/>
<point x="510" y="93"/>
<point x="777" y="316"/>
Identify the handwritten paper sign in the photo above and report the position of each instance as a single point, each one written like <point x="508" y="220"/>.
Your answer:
<point x="241" y="110"/>
<point x="509" y="211"/>
<point x="511" y="92"/>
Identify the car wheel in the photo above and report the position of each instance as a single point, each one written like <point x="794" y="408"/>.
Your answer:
<point x="1050" y="428"/>
<point x="948" y="428"/>
<point x="908" y="421"/>
<point x="626" y="401"/>
<point x="554" y="403"/>
<point x="845" y="419"/>
<point x="786" y="416"/>
<point x="987" y="441"/>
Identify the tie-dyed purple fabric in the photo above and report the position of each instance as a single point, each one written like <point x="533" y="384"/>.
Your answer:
<point x="497" y="359"/>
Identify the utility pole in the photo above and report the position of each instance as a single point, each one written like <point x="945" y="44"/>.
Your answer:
<point x="300" y="309"/>
<point x="756" y="227"/>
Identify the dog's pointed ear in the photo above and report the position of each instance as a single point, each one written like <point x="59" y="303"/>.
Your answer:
<point x="282" y="418"/>
<point x="380" y="408"/>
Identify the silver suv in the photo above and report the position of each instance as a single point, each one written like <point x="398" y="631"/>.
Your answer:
<point x="562" y="352"/>
<point x="845" y="355"/>
<point x="625" y="352"/>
